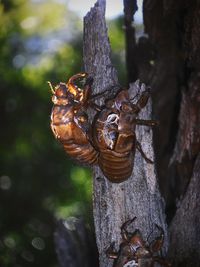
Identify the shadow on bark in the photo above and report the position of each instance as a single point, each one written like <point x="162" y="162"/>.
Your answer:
<point x="75" y="244"/>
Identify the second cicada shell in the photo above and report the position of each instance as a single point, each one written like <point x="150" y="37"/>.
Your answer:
<point x="69" y="121"/>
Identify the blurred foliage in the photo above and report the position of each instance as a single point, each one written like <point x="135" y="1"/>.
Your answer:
<point x="39" y="41"/>
<point x="117" y="40"/>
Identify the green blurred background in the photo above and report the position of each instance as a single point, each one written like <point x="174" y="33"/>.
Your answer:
<point x="40" y="41"/>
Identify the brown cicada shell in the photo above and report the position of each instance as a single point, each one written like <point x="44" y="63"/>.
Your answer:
<point x="114" y="135"/>
<point x="69" y="121"/>
<point x="134" y="248"/>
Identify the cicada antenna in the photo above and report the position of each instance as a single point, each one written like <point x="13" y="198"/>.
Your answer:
<point x="51" y="87"/>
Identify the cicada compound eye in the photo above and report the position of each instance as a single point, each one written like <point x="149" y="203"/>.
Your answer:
<point x="61" y="90"/>
<point x="60" y="96"/>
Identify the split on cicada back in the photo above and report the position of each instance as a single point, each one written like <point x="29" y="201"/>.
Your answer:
<point x="114" y="134"/>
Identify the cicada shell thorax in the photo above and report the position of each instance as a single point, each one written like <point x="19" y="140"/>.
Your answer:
<point x="69" y="121"/>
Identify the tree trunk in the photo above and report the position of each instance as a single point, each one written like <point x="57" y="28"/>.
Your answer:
<point x="184" y="229"/>
<point x="173" y="28"/>
<point x="139" y="196"/>
<point x="169" y="61"/>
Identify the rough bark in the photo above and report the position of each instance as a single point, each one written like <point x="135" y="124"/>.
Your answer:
<point x="184" y="230"/>
<point x="174" y="31"/>
<point x="165" y="78"/>
<point x="139" y="196"/>
<point x="185" y="239"/>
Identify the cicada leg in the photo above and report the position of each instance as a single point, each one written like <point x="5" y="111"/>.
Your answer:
<point x="142" y="101"/>
<point x="124" y="232"/>
<point x="110" y="252"/>
<point x="157" y="244"/>
<point x="150" y="123"/>
<point x="139" y="148"/>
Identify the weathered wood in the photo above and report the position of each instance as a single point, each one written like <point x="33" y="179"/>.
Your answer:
<point x="184" y="230"/>
<point x="96" y="49"/>
<point x="165" y="77"/>
<point x="174" y="29"/>
<point x="139" y="196"/>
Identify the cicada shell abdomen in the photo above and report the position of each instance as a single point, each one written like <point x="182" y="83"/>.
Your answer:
<point x="69" y="122"/>
<point x="66" y="127"/>
<point x="115" y="138"/>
